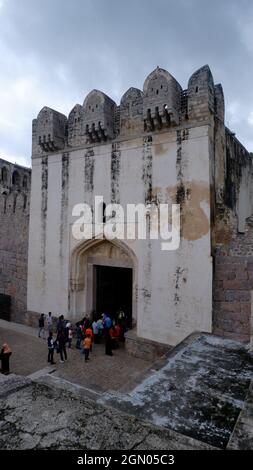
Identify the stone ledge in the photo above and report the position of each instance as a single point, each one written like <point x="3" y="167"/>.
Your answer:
<point x="144" y="348"/>
<point x="32" y="319"/>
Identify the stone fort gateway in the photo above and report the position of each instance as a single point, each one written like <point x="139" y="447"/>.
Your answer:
<point x="160" y="145"/>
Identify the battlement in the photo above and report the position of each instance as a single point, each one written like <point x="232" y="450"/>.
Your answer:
<point x="15" y="185"/>
<point x="162" y="104"/>
<point x="49" y="131"/>
<point x="14" y="177"/>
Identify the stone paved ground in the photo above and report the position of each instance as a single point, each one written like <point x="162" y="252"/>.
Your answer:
<point x="242" y="436"/>
<point x="196" y="397"/>
<point x="200" y="391"/>
<point x="101" y="373"/>
<point x="35" y="416"/>
<point x="28" y="352"/>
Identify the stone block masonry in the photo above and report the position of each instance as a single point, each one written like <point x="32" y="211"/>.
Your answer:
<point x="233" y="283"/>
<point x="14" y="224"/>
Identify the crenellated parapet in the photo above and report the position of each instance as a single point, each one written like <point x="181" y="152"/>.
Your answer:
<point x="75" y="126"/>
<point x="14" y="177"/>
<point x="131" y="112"/>
<point x="98" y="117"/>
<point x="219" y="102"/>
<point x="161" y="101"/>
<point x="162" y="105"/>
<point x="49" y="131"/>
<point x="15" y="187"/>
<point x="201" y="95"/>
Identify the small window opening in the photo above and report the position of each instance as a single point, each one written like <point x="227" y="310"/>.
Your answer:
<point x="103" y="213"/>
<point x="15" y="178"/>
<point x="25" y="182"/>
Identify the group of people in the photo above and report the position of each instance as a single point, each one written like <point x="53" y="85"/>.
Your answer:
<point x="101" y="329"/>
<point x="104" y="328"/>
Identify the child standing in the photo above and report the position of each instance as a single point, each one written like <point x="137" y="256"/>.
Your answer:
<point x="89" y="332"/>
<point x="86" y="346"/>
<point x="51" y="346"/>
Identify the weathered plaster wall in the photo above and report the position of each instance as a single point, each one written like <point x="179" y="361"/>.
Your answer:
<point x="172" y="289"/>
<point x="161" y="145"/>
<point x="14" y="223"/>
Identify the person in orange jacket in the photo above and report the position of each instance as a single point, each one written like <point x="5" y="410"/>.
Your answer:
<point x="89" y="332"/>
<point x="87" y="346"/>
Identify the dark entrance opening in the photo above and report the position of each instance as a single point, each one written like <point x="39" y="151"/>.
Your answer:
<point x="5" y="307"/>
<point x="113" y="290"/>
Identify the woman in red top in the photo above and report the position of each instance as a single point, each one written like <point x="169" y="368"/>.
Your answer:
<point x="114" y="337"/>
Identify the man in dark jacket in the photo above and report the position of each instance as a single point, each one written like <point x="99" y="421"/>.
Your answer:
<point x="61" y="338"/>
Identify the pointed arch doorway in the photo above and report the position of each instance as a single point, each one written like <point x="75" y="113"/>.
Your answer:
<point x="103" y="277"/>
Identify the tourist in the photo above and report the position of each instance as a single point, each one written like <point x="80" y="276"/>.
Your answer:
<point x="113" y="332"/>
<point x="70" y="334"/>
<point x="120" y="315"/>
<point x="107" y="322"/>
<point x="41" y="326"/>
<point x="122" y="321"/>
<point x="49" y="321"/>
<point x="60" y="324"/>
<point x="89" y="332"/>
<point x="61" y="338"/>
<point x="95" y="332"/>
<point x="5" y="354"/>
<point x="100" y="328"/>
<point x="79" y="336"/>
<point x="85" y="323"/>
<point x="87" y="346"/>
<point x="119" y="331"/>
<point x="51" y="346"/>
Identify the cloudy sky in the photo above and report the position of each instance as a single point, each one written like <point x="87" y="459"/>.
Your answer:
<point x="53" y="52"/>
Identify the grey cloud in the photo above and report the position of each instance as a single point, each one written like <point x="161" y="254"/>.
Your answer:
<point x="62" y="50"/>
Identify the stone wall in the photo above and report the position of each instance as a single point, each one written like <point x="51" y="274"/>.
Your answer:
<point x="148" y="150"/>
<point x="14" y="224"/>
<point x="233" y="282"/>
<point x="233" y="245"/>
<point x="162" y="144"/>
